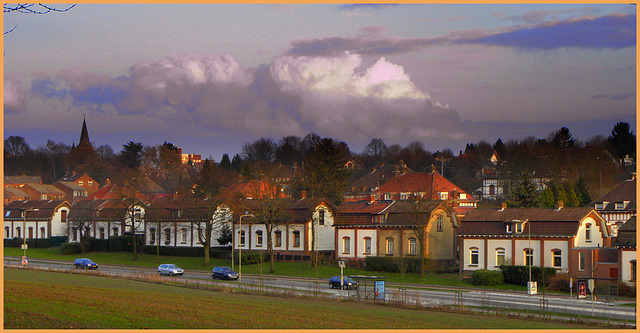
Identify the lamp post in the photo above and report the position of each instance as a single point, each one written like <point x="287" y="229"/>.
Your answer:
<point x="25" y="261"/>
<point x="240" y="249"/>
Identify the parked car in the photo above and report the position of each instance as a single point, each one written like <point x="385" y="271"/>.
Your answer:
<point x="224" y="273"/>
<point x="349" y="283"/>
<point x="170" y="269"/>
<point x="84" y="263"/>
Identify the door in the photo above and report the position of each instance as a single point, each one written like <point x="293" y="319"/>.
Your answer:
<point x="613" y="273"/>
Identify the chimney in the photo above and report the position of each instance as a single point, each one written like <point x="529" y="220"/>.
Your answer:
<point x="303" y="194"/>
<point x="503" y="206"/>
<point x="559" y="205"/>
<point x="107" y="182"/>
<point x="433" y="168"/>
<point x="632" y="176"/>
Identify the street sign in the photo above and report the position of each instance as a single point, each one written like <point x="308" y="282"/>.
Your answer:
<point x="24" y="246"/>
<point x="25" y="261"/>
<point x="592" y="284"/>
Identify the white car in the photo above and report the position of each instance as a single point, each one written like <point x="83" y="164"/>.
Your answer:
<point x="169" y="269"/>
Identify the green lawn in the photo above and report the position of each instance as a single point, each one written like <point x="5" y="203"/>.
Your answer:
<point x="46" y="300"/>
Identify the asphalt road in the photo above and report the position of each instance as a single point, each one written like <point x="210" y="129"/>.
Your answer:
<point x="425" y="295"/>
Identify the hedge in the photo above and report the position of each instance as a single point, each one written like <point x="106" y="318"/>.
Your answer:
<point x="519" y="274"/>
<point x="70" y="248"/>
<point x="252" y="257"/>
<point x="34" y="243"/>
<point x="483" y="277"/>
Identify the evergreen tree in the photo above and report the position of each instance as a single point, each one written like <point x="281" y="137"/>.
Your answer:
<point x="225" y="163"/>
<point x="324" y="172"/>
<point x="525" y="192"/>
<point x="623" y="140"/>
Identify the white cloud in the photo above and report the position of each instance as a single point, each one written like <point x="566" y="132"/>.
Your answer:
<point x="14" y="94"/>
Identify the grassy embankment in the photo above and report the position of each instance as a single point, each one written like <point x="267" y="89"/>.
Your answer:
<point x="37" y="299"/>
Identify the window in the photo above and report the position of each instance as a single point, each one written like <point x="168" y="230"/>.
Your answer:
<point x="30" y="232"/>
<point x="43" y="233"/>
<point x="183" y="234"/>
<point x="167" y="236"/>
<point x="346" y="245"/>
<point x="80" y="182"/>
<point x="501" y="258"/>
<point x="633" y="270"/>
<point x="387" y="196"/>
<point x="519" y="227"/>
<point x="413" y="246"/>
<point x="600" y="205"/>
<point x="439" y="223"/>
<point x="115" y="231"/>
<point x="90" y="182"/>
<point x="587" y="232"/>
<point x="390" y="246"/>
<point x="18" y="232"/>
<point x="278" y="237"/>
<point x="581" y="261"/>
<point x="474" y="256"/>
<point x="321" y="217"/>
<point x="259" y="238"/>
<point x="6" y="232"/>
<point x="509" y="230"/>
<point x="557" y="258"/>
<point x="404" y="196"/>
<point x="296" y="238"/>
<point x="367" y="245"/>
<point x="443" y="195"/>
<point x="241" y="238"/>
<point x="379" y="219"/>
<point x="63" y="216"/>
<point x="528" y="257"/>
<point x="463" y="196"/>
<point x="74" y="234"/>
<point x="152" y="235"/>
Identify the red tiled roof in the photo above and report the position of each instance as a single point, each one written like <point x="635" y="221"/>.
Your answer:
<point x="420" y="182"/>
<point x="625" y="191"/>
<point x="46" y="208"/>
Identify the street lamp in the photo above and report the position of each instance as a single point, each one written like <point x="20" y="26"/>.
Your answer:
<point x="240" y="248"/>
<point x="25" y="262"/>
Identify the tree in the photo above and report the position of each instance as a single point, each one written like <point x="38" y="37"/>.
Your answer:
<point x="131" y="154"/>
<point x="32" y="8"/>
<point x="376" y="150"/>
<point x="226" y="235"/>
<point x="81" y="219"/>
<point x="324" y="172"/>
<point x="563" y="139"/>
<point x="134" y="204"/>
<point x="15" y="146"/>
<point x="525" y="192"/>
<point x="289" y="150"/>
<point x="623" y="140"/>
<point x="262" y="149"/>
<point x="208" y="199"/>
<point x="421" y="209"/>
<point x="225" y="162"/>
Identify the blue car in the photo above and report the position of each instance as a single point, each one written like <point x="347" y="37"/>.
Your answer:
<point x="85" y="263"/>
<point x="224" y="273"/>
<point x="349" y="283"/>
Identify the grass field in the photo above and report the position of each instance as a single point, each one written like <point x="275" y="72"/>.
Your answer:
<point x="41" y="300"/>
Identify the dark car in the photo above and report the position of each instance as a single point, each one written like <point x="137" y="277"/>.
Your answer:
<point x="349" y="283"/>
<point x="85" y="263"/>
<point x="224" y="273"/>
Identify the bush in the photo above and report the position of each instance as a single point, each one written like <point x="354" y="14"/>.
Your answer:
<point x="483" y="277"/>
<point x="70" y="248"/>
<point x="252" y="257"/>
<point x="559" y="283"/>
<point x="625" y="290"/>
<point x="519" y="275"/>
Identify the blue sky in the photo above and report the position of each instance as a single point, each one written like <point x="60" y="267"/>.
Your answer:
<point x="210" y="77"/>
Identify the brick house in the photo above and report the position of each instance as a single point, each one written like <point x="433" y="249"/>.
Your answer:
<point x="43" y="192"/>
<point x="618" y="205"/>
<point x="568" y="239"/>
<point x="625" y="242"/>
<point x="40" y="218"/>
<point x="83" y="180"/>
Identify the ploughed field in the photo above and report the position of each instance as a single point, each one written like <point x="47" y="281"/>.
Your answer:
<point x="41" y="300"/>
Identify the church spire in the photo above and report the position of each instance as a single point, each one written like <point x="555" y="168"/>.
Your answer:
<point x="84" y="136"/>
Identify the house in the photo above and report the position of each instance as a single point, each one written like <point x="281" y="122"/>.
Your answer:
<point x="101" y="218"/>
<point x="20" y="181"/>
<point x="41" y="218"/>
<point x="43" y="192"/>
<point x="255" y="189"/>
<point x="426" y="185"/>
<point x="626" y="244"/>
<point x="83" y="180"/>
<point x="298" y="226"/>
<point x="73" y="191"/>
<point x="363" y="188"/>
<point x="14" y="194"/>
<point x="618" y="205"/>
<point x="83" y="153"/>
<point x="393" y="229"/>
<point x="496" y="184"/>
<point x="169" y="222"/>
<point x="568" y="239"/>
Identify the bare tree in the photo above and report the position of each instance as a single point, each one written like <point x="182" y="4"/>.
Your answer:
<point x="81" y="219"/>
<point x="32" y="8"/>
<point x="133" y="202"/>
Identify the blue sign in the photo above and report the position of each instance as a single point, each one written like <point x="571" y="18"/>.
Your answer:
<point x="379" y="293"/>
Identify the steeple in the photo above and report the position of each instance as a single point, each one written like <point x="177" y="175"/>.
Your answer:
<point x="84" y="136"/>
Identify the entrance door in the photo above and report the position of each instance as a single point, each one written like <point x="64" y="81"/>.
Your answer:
<point x="613" y="273"/>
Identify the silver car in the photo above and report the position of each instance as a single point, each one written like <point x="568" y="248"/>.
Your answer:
<point x="169" y="269"/>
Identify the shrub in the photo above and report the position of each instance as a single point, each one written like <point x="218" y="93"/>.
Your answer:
<point x="519" y="274"/>
<point x="70" y="248"/>
<point x="559" y="283"/>
<point x="483" y="277"/>
<point x="252" y="257"/>
<point x="625" y="290"/>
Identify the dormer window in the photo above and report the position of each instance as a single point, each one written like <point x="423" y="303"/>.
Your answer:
<point x="404" y="196"/>
<point x="601" y="205"/>
<point x="509" y="229"/>
<point x="387" y="196"/>
<point x="379" y="219"/>
<point x="621" y="205"/>
<point x="443" y="195"/>
<point x="463" y="196"/>
<point x="519" y="227"/>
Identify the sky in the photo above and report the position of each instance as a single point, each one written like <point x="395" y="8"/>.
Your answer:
<point x="212" y="77"/>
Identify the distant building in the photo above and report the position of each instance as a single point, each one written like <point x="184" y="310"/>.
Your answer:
<point x="43" y="192"/>
<point x="19" y="181"/>
<point x="618" y="205"/>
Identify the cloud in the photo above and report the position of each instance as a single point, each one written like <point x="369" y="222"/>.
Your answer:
<point x="615" y="97"/>
<point x="587" y="32"/>
<point x="15" y="97"/>
<point x="365" y="5"/>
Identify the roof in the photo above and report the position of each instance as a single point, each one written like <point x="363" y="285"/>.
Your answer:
<point x="107" y="209"/>
<point x="45" y="188"/>
<point x="10" y="192"/>
<point x="22" y="180"/>
<point x="84" y="136"/>
<point x="254" y="189"/>
<point x="542" y="221"/>
<point x="70" y="185"/>
<point x="285" y="209"/>
<point x="105" y="192"/>
<point x="397" y="213"/>
<point x="625" y="191"/>
<point x="45" y="209"/>
<point x="626" y="234"/>
<point x="421" y="182"/>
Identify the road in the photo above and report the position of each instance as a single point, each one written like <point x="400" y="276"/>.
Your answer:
<point x="411" y="294"/>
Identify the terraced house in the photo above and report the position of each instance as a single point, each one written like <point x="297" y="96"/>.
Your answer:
<point x="36" y="219"/>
